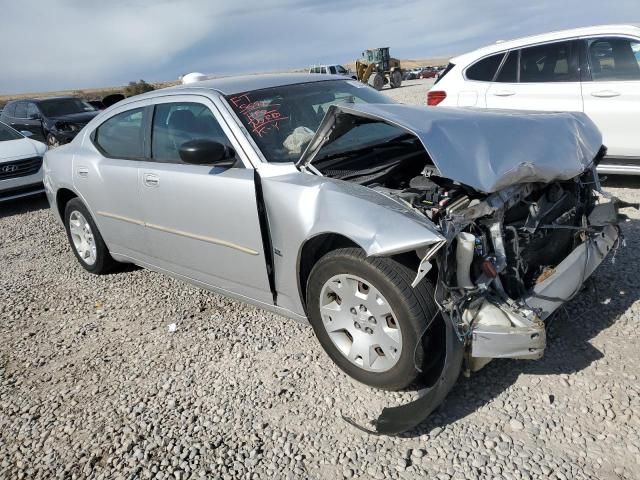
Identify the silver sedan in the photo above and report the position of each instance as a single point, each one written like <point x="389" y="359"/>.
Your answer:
<point x="417" y="242"/>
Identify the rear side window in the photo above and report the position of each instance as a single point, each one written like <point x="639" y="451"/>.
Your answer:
<point x="485" y="69"/>
<point x="10" y="110"/>
<point x="122" y="135"/>
<point x="552" y="62"/>
<point x="323" y="70"/>
<point x="444" y="72"/>
<point x="614" y="59"/>
<point x="509" y="71"/>
<point x="177" y="123"/>
<point x="21" y="110"/>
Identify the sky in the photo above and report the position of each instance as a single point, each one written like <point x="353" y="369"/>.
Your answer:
<point x="53" y="45"/>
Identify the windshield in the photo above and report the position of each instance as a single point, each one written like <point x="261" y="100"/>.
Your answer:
<point x="64" y="106"/>
<point x="283" y="120"/>
<point x="8" y="133"/>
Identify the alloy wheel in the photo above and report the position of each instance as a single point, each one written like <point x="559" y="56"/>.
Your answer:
<point x="360" y="323"/>
<point x="82" y="237"/>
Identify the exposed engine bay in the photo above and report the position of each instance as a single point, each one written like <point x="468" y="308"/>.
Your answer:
<point x="502" y="249"/>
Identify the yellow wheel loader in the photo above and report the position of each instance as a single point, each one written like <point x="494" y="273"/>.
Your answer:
<point x="377" y="68"/>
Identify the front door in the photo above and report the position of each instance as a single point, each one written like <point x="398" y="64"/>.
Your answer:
<point x="202" y="221"/>
<point x="33" y="122"/>
<point x="612" y="93"/>
<point x="542" y="77"/>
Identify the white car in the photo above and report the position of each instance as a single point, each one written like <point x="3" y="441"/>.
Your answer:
<point x="20" y="164"/>
<point x="595" y="70"/>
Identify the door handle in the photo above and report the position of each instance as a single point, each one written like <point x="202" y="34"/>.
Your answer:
<point x="605" y="94"/>
<point x="82" y="172"/>
<point x="151" y="180"/>
<point x="504" y="93"/>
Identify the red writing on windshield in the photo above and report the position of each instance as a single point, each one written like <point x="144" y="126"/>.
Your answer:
<point x="261" y="115"/>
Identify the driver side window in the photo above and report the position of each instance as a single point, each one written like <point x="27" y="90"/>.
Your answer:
<point x="177" y="123"/>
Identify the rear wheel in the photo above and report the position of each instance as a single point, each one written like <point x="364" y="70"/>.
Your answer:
<point x="395" y="79"/>
<point x="371" y="322"/>
<point x="85" y="239"/>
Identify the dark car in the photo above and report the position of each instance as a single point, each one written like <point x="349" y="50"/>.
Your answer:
<point x="427" y="73"/>
<point x="53" y="120"/>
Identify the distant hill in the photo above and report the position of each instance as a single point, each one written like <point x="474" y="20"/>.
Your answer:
<point x="98" y="93"/>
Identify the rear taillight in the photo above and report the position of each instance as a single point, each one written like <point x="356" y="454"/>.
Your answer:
<point x="435" y="97"/>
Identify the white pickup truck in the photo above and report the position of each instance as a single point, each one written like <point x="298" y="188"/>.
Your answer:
<point x="332" y="69"/>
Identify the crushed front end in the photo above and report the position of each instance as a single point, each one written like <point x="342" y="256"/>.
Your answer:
<point x="515" y="196"/>
<point x="513" y="257"/>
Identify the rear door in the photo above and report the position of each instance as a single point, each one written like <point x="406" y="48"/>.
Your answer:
<point x="106" y="175"/>
<point x="202" y="221"/>
<point x="611" y="92"/>
<point x="541" y="77"/>
<point x="19" y="121"/>
<point x="478" y="80"/>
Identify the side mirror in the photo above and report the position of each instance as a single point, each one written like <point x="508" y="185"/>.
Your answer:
<point x="26" y="133"/>
<point x="202" y="151"/>
<point x="34" y="116"/>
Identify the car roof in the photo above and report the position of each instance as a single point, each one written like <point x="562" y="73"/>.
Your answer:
<point x="36" y="100"/>
<point x="244" y="83"/>
<point x="500" y="46"/>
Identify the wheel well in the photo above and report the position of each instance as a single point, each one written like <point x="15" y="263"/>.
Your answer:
<point x="62" y="198"/>
<point x="312" y="251"/>
<point x="317" y="247"/>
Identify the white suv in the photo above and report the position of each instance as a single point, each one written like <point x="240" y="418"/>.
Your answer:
<point x="595" y="70"/>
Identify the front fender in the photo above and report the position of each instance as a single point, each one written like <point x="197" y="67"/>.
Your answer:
<point x="301" y="206"/>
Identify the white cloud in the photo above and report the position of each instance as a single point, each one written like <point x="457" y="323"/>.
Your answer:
<point x="74" y="44"/>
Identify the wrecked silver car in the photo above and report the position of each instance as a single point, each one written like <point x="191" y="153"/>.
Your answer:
<point x="417" y="242"/>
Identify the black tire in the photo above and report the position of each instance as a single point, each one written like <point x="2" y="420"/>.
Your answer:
<point x="395" y="79"/>
<point x="376" y="80"/>
<point x="422" y="348"/>
<point x="104" y="263"/>
<point x="52" y="141"/>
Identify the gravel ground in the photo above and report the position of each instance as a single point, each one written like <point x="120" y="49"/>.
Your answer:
<point x="94" y="385"/>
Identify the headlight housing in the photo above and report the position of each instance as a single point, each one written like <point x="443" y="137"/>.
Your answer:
<point x="67" y="127"/>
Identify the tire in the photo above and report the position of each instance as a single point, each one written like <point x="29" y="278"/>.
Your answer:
<point x="395" y="79"/>
<point x="52" y="141"/>
<point x="376" y="80"/>
<point x="76" y="221"/>
<point x="422" y="345"/>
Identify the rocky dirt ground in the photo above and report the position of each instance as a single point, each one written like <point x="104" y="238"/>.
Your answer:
<point x="94" y="385"/>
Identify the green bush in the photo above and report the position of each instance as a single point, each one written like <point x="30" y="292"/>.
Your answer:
<point x="136" y="88"/>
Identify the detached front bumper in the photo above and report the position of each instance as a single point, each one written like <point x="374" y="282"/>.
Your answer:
<point x="526" y="338"/>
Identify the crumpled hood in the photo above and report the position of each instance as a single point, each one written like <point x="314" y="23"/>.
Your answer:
<point x="484" y="149"/>
<point x="81" y="117"/>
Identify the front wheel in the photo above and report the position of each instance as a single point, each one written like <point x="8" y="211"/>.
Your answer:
<point x="372" y="323"/>
<point x="376" y="80"/>
<point x="85" y="239"/>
